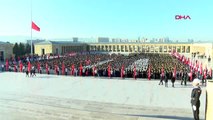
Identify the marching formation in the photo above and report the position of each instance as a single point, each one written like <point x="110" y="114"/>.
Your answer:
<point x="144" y="65"/>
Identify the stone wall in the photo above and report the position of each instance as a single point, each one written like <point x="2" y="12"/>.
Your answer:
<point x="209" y="106"/>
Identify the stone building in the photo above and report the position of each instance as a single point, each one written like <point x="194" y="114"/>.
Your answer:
<point x="6" y="50"/>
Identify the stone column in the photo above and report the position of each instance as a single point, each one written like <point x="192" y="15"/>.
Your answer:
<point x="209" y="100"/>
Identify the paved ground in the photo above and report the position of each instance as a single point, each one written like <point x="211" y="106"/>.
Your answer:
<point x="79" y="98"/>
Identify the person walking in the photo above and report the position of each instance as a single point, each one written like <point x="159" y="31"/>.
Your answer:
<point x="166" y="79"/>
<point x="162" y="76"/>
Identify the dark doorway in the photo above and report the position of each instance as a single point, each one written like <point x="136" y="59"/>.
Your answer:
<point x="1" y="55"/>
<point x="43" y="51"/>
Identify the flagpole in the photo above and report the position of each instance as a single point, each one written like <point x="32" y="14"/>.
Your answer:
<point x="31" y="27"/>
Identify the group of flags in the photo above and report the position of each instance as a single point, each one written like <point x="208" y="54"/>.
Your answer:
<point x="194" y="65"/>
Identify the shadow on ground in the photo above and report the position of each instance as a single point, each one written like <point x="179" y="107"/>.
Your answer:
<point x="163" y="117"/>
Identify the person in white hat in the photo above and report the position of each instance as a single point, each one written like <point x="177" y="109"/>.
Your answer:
<point x="195" y="98"/>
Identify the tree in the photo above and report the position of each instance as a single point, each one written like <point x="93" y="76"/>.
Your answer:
<point x="16" y="49"/>
<point x="27" y="49"/>
<point x="22" y="49"/>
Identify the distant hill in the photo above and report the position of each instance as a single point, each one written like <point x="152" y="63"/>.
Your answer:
<point x="14" y="39"/>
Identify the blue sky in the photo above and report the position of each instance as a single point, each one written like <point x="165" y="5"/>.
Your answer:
<point x="108" y="18"/>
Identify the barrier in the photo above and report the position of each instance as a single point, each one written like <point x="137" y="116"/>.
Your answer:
<point x="209" y="100"/>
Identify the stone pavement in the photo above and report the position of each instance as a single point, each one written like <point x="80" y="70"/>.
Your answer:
<point x="79" y="98"/>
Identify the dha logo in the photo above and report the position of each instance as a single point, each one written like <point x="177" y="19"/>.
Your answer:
<point x="179" y="17"/>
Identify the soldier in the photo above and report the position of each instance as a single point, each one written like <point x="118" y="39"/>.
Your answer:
<point x="162" y="78"/>
<point x="195" y="95"/>
<point x="66" y="70"/>
<point x="162" y="75"/>
<point x="27" y="72"/>
<point x="186" y="77"/>
<point x="182" y="77"/>
<point x="33" y="71"/>
<point x="173" y="77"/>
<point x="166" y="79"/>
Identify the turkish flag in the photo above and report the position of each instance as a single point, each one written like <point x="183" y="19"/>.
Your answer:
<point x="80" y="68"/>
<point x="174" y="72"/>
<point x="122" y="71"/>
<point x="7" y="65"/>
<point x="35" y="27"/>
<point x="94" y="69"/>
<point x="47" y="68"/>
<point x="109" y="71"/>
<point x="72" y="69"/>
<point x="63" y="68"/>
<point x="38" y="66"/>
<point x="149" y="73"/>
<point x="29" y="66"/>
<point x="20" y="66"/>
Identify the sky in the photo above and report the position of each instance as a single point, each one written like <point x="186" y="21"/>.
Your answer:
<point x="107" y="18"/>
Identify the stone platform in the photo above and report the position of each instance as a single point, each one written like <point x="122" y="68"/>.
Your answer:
<point x="50" y="97"/>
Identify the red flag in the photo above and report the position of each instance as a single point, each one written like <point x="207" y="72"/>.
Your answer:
<point x="29" y="66"/>
<point x="94" y="70"/>
<point x="109" y="71"/>
<point x="204" y="73"/>
<point x="47" y="68"/>
<point x="7" y="65"/>
<point x="38" y="67"/>
<point x="63" y="68"/>
<point x="122" y="71"/>
<point x="190" y="75"/>
<point x="149" y="73"/>
<point x="80" y="69"/>
<point x="174" y="72"/>
<point x="72" y="69"/>
<point x="201" y="68"/>
<point x="35" y="27"/>
<point x="20" y="66"/>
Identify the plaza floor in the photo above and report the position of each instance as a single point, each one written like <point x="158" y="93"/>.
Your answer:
<point x="51" y="97"/>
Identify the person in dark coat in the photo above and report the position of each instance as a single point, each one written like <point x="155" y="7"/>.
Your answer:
<point x="173" y="79"/>
<point x="195" y="98"/>
<point x="185" y="78"/>
<point x="166" y="79"/>
<point x="162" y="78"/>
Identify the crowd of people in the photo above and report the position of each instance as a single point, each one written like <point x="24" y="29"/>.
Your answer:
<point x="135" y="65"/>
<point x="144" y="65"/>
